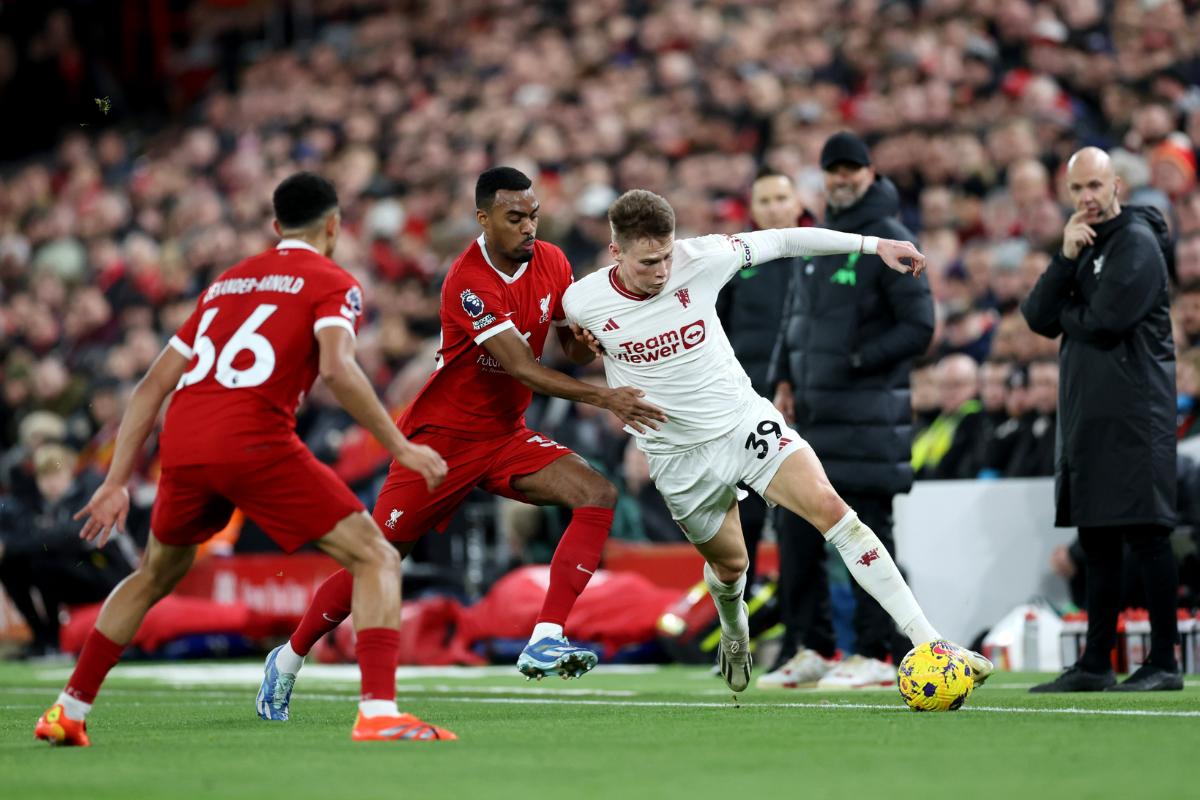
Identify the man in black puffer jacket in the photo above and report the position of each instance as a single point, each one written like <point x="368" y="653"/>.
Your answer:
<point x="840" y="369"/>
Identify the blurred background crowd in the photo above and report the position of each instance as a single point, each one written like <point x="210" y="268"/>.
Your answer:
<point x="144" y="139"/>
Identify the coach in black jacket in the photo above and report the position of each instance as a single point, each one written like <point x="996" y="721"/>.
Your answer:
<point x="1106" y="293"/>
<point x="841" y="365"/>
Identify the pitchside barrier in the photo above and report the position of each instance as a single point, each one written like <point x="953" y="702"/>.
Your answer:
<point x="972" y="550"/>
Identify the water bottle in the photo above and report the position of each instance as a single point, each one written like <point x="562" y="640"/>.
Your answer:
<point x="1029" y="649"/>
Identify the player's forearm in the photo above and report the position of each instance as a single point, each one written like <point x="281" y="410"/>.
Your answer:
<point x="136" y="425"/>
<point x="769" y="245"/>
<point x="553" y="383"/>
<point x="577" y="352"/>
<point x="352" y="389"/>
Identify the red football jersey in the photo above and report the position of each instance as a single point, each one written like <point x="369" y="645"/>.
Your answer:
<point x="254" y="352"/>
<point x="470" y="394"/>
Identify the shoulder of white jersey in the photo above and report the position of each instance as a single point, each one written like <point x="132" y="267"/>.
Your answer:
<point x="577" y="296"/>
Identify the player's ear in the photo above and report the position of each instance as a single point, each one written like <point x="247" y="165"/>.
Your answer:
<point x="481" y="217"/>
<point x="614" y="250"/>
<point x="278" y="228"/>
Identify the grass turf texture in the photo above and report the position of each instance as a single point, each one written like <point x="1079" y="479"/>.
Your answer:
<point x="184" y="731"/>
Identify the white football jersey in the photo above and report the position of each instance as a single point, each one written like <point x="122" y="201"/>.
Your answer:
<point x="671" y="345"/>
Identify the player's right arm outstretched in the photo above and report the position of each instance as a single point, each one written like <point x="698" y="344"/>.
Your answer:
<point x="769" y="245"/>
<point x="344" y="377"/>
<point x="514" y="355"/>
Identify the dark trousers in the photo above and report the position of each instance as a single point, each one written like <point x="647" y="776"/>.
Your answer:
<point x="804" y="585"/>
<point x="59" y="580"/>
<point x="1150" y="548"/>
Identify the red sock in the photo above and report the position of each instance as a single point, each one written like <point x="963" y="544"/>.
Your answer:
<point x="330" y="605"/>
<point x="575" y="559"/>
<point x="378" y="650"/>
<point x="99" y="655"/>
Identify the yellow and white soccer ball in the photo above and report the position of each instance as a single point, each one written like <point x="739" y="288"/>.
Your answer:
<point x="935" y="677"/>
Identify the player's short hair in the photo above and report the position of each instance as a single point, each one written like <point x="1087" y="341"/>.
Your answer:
<point x="767" y="171"/>
<point x="302" y="200"/>
<point x="498" y="179"/>
<point x="640" y="214"/>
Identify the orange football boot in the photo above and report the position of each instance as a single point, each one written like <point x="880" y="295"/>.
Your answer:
<point x="405" y="727"/>
<point x="57" y="728"/>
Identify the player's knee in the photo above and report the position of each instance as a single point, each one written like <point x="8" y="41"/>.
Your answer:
<point x="600" y="493"/>
<point x="828" y="508"/>
<point x="731" y="567"/>
<point x="386" y="556"/>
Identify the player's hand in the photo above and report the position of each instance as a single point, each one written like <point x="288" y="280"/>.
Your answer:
<point x="901" y="256"/>
<point x="1077" y="235"/>
<point x="585" y="336"/>
<point x="106" y="511"/>
<point x="627" y="403"/>
<point x="785" y="401"/>
<point x="424" y="461"/>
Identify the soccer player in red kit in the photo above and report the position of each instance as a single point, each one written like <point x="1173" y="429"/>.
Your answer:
<point x="239" y="367"/>
<point x="500" y="300"/>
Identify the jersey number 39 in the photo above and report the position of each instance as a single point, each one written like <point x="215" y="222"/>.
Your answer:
<point x="246" y="338"/>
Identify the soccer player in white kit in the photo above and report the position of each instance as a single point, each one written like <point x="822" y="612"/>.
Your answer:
<point x="652" y="315"/>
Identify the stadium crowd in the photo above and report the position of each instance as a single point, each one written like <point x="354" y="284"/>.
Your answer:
<point x="969" y="107"/>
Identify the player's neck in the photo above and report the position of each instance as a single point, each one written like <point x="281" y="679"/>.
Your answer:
<point x="317" y="242"/>
<point x="626" y="285"/>
<point x="500" y="261"/>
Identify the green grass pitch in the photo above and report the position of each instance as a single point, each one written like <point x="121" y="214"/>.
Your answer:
<point x="189" y="730"/>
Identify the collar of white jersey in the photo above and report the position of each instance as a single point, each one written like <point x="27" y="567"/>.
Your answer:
<point x="296" y="244"/>
<point x="516" y="276"/>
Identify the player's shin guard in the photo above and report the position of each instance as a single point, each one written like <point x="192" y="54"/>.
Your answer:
<point x="330" y="605"/>
<point x="575" y="560"/>
<point x="728" y="599"/>
<point x="378" y="650"/>
<point x="872" y="566"/>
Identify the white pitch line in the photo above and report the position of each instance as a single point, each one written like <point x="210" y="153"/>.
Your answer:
<point x="576" y="701"/>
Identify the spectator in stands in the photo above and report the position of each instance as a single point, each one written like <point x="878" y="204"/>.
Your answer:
<point x="993" y="392"/>
<point x="1033" y="451"/>
<point x="1187" y="394"/>
<point x="1001" y="443"/>
<point x="851" y="329"/>
<point x="926" y="401"/>
<point x="1186" y="313"/>
<point x="1187" y="258"/>
<point x="1106" y="294"/>
<point x="43" y="562"/>
<point x="952" y="447"/>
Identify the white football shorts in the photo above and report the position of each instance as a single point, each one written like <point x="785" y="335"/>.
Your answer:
<point x="700" y="484"/>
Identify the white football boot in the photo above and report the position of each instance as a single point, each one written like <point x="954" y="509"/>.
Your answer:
<point x="857" y="672"/>
<point x="801" y="671"/>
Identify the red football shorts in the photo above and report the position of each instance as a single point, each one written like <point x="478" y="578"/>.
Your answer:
<point x="406" y="509"/>
<point x="292" y="496"/>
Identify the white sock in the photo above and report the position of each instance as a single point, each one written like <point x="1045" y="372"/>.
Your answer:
<point x="872" y="566"/>
<point x="378" y="708"/>
<point x="545" y="629"/>
<point x="73" y="708"/>
<point x="288" y="660"/>
<point x="728" y="599"/>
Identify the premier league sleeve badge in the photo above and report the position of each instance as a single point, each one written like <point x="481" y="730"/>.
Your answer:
<point x="471" y="304"/>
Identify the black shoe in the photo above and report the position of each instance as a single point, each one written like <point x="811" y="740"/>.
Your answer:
<point x="1077" y="679"/>
<point x="1150" y="679"/>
